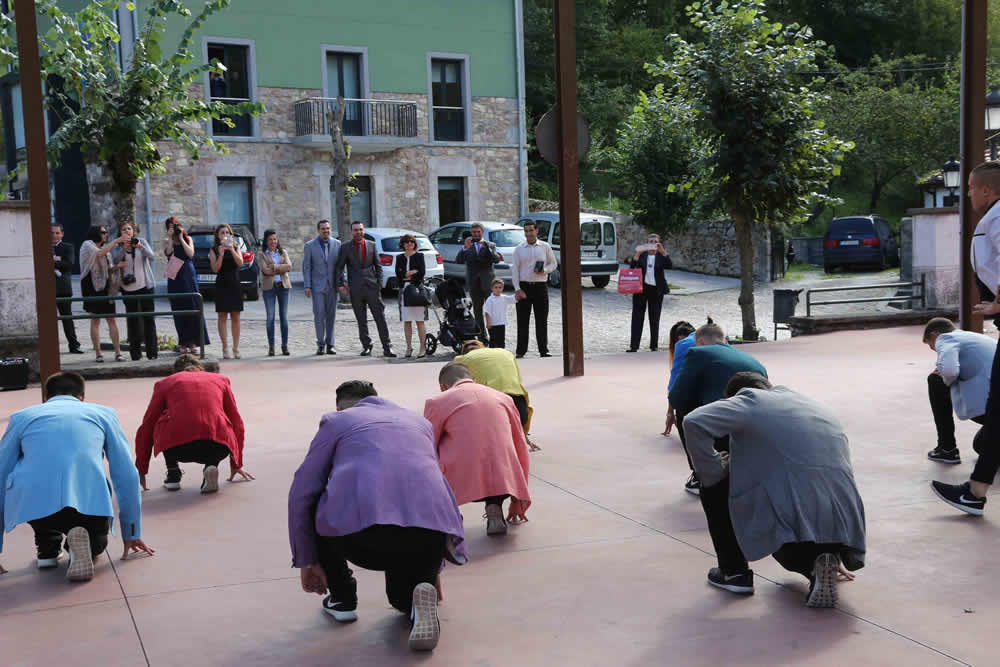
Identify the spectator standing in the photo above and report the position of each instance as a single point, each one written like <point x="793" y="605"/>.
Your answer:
<point x="191" y="418"/>
<point x="652" y="260"/>
<point x="95" y="281"/>
<point x="533" y="262"/>
<point x="791" y="254"/>
<point x="62" y="257"/>
<point x="134" y="259"/>
<point x="479" y="256"/>
<point x="226" y="259"/>
<point x="319" y="257"/>
<point x="182" y="278"/>
<point x="276" y="286"/>
<point x="364" y="284"/>
<point x="52" y="477"/>
<point x="410" y="270"/>
<point x="495" y="312"/>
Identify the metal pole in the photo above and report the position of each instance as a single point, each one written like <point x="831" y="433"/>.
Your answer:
<point x="973" y="113"/>
<point x="569" y="176"/>
<point x="38" y="183"/>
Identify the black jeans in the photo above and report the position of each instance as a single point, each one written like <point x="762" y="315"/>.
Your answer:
<point x="721" y="444"/>
<point x="939" y="395"/>
<point x="989" y="435"/>
<point x="537" y="300"/>
<point x="68" y="327"/>
<point x="141" y="330"/>
<point x="650" y="300"/>
<point x="801" y="556"/>
<point x="498" y="336"/>
<point x="49" y="531"/>
<point x="408" y="556"/>
<point x="205" y="452"/>
<point x="521" y="403"/>
<point x="494" y="500"/>
<point x="478" y="297"/>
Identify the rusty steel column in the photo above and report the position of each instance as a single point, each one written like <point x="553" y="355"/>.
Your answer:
<point x="973" y="137"/>
<point x="569" y="191"/>
<point x="38" y="184"/>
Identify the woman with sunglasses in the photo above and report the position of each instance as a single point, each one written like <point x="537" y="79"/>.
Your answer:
<point x="95" y="280"/>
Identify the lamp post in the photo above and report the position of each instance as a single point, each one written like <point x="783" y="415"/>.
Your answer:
<point x="993" y="118"/>
<point x="952" y="172"/>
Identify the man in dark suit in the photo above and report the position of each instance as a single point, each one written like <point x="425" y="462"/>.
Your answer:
<point x="479" y="256"/>
<point x="652" y="260"/>
<point x="364" y="283"/>
<point x="702" y="379"/>
<point x="62" y="255"/>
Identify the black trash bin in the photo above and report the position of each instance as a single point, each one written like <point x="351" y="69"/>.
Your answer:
<point x="785" y="301"/>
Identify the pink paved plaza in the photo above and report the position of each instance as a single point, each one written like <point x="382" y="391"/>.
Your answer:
<point x="609" y="571"/>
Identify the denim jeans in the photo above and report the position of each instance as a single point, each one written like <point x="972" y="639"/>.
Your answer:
<point x="280" y="294"/>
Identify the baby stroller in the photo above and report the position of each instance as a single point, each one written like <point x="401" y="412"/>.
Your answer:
<point x="458" y="325"/>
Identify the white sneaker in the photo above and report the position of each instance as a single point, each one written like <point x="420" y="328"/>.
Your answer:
<point x="48" y="563"/>
<point x="210" y="482"/>
<point x="426" y="625"/>
<point x="81" y="562"/>
<point x="495" y="523"/>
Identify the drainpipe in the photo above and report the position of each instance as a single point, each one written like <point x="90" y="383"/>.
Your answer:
<point x="522" y="134"/>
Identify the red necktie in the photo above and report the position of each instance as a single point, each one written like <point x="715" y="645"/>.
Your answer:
<point x="361" y="250"/>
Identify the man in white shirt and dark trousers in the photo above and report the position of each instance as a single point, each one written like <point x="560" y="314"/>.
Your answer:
<point x="533" y="262"/>
<point x="653" y="260"/>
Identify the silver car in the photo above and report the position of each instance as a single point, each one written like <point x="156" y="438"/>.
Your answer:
<point x="450" y="239"/>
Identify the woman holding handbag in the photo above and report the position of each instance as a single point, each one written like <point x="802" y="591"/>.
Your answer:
<point x="410" y="269"/>
<point x="182" y="278"/>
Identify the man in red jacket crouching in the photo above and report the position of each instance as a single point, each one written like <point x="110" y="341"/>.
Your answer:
<point x="192" y="418"/>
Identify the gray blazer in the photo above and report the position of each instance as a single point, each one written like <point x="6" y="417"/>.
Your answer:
<point x="964" y="361"/>
<point x="317" y="270"/>
<point x="362" y="276"/>
<point x="790" y="475"/>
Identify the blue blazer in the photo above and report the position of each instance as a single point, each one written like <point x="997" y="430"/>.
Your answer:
<point x="52" y="456"/>
<point x="317" y="271"/>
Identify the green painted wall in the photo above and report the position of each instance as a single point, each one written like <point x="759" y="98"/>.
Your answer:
<point x="397" y="33"/>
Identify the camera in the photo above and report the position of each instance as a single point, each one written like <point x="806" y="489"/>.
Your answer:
<point x="128" y="279"/>
<point x="539" y="266"/>
<point x="227" y="241"/>
<point x="134" y="242"/>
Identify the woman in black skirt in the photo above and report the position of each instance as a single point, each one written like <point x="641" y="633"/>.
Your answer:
<point x="226" y="260"/>
<point x="95" y="280"/>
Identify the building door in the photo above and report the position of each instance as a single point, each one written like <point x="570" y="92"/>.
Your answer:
<point x="343" y="79"/>
<point x="451" y="200"/>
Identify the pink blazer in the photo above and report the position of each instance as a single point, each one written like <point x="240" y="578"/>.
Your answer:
<point x="480" y="444"/>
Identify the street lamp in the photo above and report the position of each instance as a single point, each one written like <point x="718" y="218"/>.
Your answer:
<point x="952" y="172"/>
<point x="993" y="118"/>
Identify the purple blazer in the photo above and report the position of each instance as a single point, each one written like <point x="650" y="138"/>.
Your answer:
<point x="371" y="464"/>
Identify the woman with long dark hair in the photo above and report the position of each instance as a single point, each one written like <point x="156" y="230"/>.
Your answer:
<point x="182" y="278"/>
<point x="226" y="260"/>
<point x="95" y="280"/>
<point x="275" y="286"/>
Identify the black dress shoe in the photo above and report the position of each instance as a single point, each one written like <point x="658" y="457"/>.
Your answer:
<point x="76" y="350"/>
<point x="284" y="350"/>
<point x="366" y="351"/>
<point x="545" y="354"/>
<point x="388" y="353"/>
<point x="632" y="349"/>
<point x="653" y="349"/>
<point x="319" y="351"/>
<point x="519" y="356"/>
<point x="330" y="350"/>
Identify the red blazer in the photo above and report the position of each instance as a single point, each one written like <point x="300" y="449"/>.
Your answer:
<point x="188" y="406"/>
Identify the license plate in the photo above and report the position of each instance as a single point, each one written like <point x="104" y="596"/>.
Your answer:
<point x="850" y="243"/>
<point x="206" y="277"/>
<point x="590" y="253"/>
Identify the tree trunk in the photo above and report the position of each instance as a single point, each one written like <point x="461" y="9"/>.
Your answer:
<point x="744" y="241"/>
<point x="875" y="196"/>
<point x="335" y="121"/>
<point x="112" y="199"/>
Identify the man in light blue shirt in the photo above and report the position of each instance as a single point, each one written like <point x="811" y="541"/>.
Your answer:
<point x="52" y="477"/>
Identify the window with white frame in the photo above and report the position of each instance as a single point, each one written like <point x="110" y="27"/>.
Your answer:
<point x="233" y="86"/>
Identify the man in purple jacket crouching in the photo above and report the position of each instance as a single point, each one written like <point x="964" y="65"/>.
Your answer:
<point x="370" y="492"/>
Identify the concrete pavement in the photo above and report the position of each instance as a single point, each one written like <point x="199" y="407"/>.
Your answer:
<point x="609" y="571"/>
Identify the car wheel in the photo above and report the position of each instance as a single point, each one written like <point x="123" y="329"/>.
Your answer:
<point x="555" y="280"/>
<point x="600" y="282"/>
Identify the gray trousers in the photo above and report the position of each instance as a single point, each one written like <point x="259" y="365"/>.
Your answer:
<point x="372" y="300"/>
<point x="325" y="316"/>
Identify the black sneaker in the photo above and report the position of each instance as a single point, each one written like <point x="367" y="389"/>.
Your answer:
<point x="330" y="350"/>
<point x="944" y="455"/>
<point x="692" y="485"/>
<point x="345" y="612"/>
<point x="960" y="497"/>
<point x="173" y="480"/>
<point x="741" y="583"/>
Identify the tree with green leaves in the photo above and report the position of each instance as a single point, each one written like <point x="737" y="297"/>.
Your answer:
<point x="118" y="115"/>
<point x="761" y="156"/>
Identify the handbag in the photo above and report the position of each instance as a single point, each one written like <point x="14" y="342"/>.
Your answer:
<point x="174" y="267"/>
<point x="416" y="296"/>
<point x="630" y="281"/>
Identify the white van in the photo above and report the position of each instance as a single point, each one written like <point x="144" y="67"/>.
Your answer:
<point x="598" y="244"/>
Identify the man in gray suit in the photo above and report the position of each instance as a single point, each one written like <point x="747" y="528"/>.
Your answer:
<point x="364" y="280"/>
<point x="786" y="488"/>
<point x="479" y="256"/>
<point x="960" y="382"/>
<point x="318" y="261"/>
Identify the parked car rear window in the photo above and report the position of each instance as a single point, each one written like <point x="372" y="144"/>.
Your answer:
<point x="610" y="235"/>
<point x="590" y="233"/>
<point x="507" y="238"/>
<point x="852" y="226"/>
<point x="207" y="241"/>
<point x="392" y="244"/>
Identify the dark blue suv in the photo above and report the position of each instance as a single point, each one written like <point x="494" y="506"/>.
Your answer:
<point x="859" y="240"/>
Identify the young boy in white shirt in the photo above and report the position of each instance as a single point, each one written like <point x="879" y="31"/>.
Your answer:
<point x="495" y="312"/>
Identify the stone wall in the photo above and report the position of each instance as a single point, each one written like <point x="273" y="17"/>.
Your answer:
<point x="937" y="254"/>
<point x="18" y="316"/>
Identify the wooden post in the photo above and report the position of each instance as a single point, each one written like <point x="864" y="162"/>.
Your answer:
<point x="973" y="138"/>
<point x="38" y="184"/>
<point x="569" y="194"/>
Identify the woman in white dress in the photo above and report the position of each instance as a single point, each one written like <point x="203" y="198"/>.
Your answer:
<point x="410" y="268"/>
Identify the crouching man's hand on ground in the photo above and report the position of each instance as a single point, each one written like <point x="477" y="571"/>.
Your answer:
<point x="135" y="546"/>
<point x="517" y="510"/>
<point x="247" y="477"/>
<point x="2" y="571"/>
<point x="313" y="579"/>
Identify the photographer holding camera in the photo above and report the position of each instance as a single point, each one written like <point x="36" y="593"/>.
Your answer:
<point x="134" y="259"/>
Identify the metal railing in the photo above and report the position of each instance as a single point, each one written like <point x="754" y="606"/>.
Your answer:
<point x="199" y="300"/>
<point x="362" y="118"/>
<point x="870" y="299"/>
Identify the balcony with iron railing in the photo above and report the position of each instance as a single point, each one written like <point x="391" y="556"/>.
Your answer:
<point x="370" y="126"/>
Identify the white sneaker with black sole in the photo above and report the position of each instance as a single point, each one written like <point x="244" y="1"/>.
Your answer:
<point x="210" y="481"/>
<point x="740" y="583"/>
<point x="81" y="561"/>
<point x="341" y="611"/>
<point x="426" y="625"/>
<point x="823" y="585"/>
